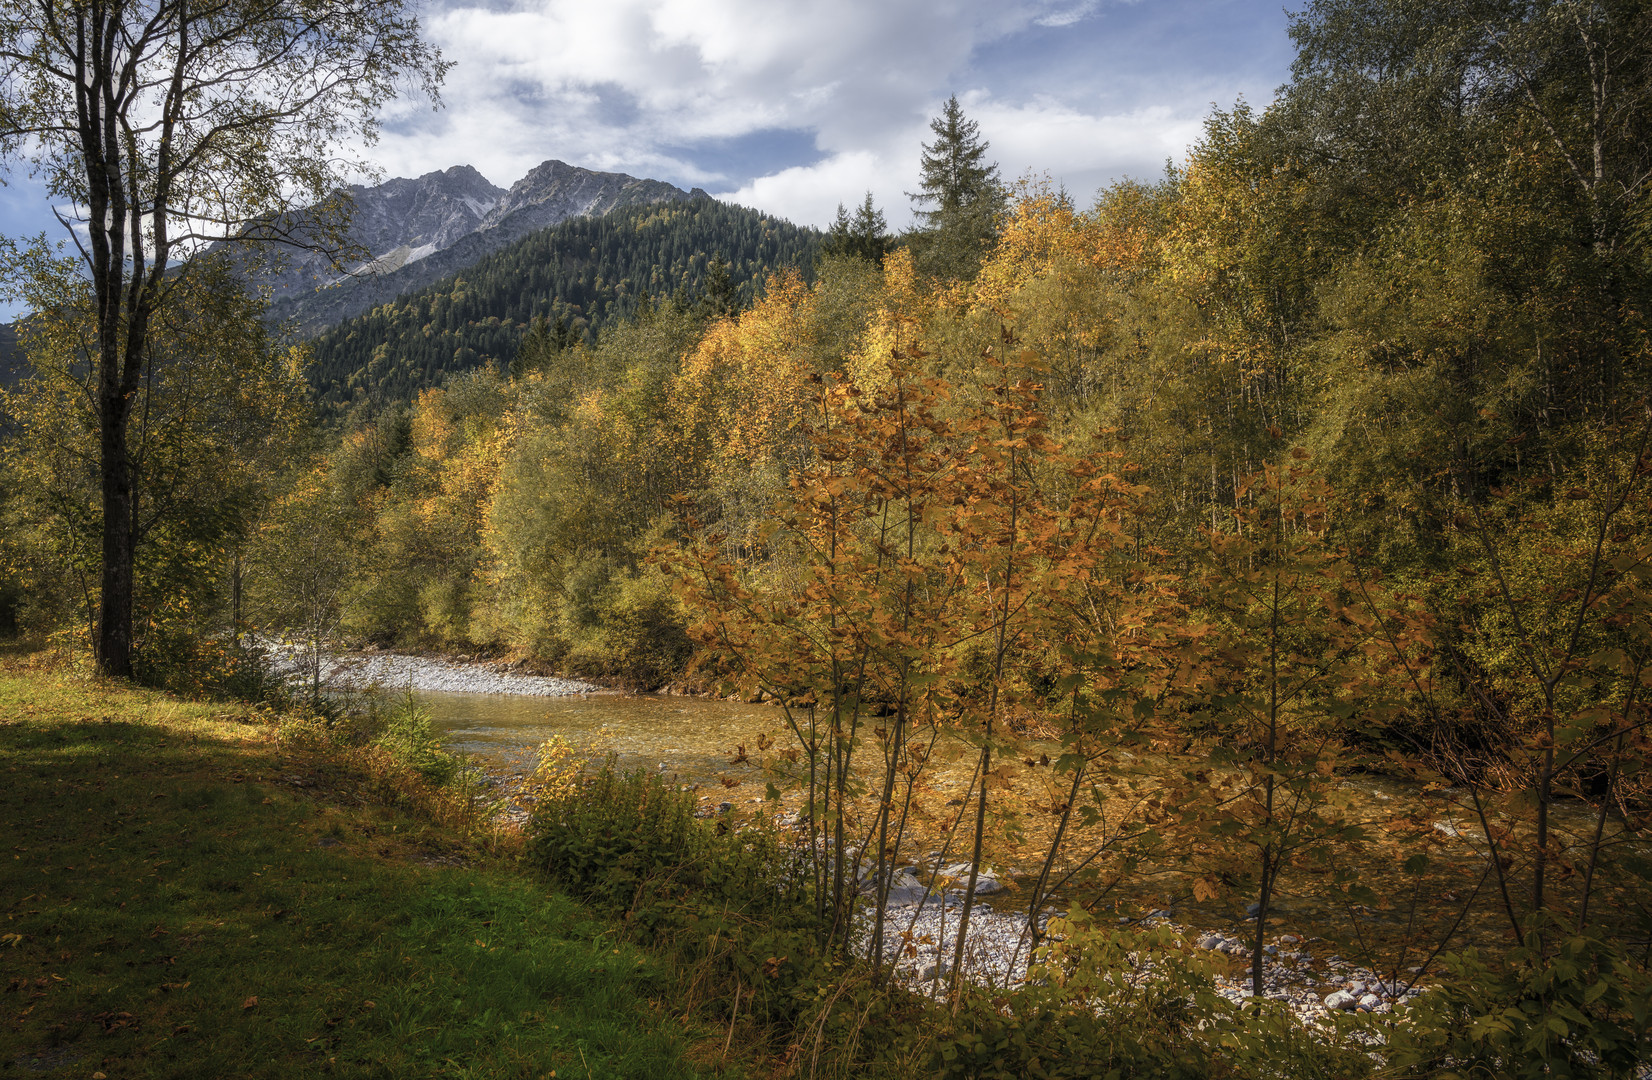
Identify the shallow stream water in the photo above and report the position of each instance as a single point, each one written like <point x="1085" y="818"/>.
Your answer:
<point x="697" y="741"/>
<point x="692" y="737"/>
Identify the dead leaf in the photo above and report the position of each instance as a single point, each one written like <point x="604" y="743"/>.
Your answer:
<point x="250" y="1003"/>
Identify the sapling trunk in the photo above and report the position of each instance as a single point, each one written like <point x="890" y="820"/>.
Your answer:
<point x="1038" y="895"/>
<point x="883" y="867"/>
<point x="1271" y="857"/>
<point x="1599" y="832"/>
<point x="1001" y="646"/>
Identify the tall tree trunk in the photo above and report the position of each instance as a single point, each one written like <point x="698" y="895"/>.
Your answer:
<point x="114" y="644"/>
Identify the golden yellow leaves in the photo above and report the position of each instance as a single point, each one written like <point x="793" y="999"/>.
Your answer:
<point x="743" y="388"/>
<point x="556" y="772"/>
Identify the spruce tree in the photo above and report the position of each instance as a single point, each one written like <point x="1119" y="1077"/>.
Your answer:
<point x="864" y="236"/>
<point x="960" y="197"/>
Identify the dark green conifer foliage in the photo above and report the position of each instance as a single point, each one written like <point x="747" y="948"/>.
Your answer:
<point x="577" y="278"/>
<point x="960" y="197"/>
<point x="719" y="297"/>
<point x="865" y="236"/>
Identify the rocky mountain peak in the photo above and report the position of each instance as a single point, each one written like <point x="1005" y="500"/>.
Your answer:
<point x="554" y="191"/>
<point x="425" y="215"/>
<point x="418" y="230"/>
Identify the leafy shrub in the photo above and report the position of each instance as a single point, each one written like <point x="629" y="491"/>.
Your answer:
<point x="182" y="661"/>
<point x="394" y="756"/>
<point x="408" y="735"/>
<point x="1132" y="1005"/>
<point x="727" y="903"/>
<point x="624" y="625"/>
<point x="1580" y="1008"/>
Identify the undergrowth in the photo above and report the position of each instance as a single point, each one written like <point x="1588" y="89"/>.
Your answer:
<point x="333" y="892"/>
<point x="724" y="908"/>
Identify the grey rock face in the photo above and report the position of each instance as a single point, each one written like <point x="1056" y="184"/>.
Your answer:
<point x="431" y="212"/>
<point x="419" y="231"/>
<point x="555" y="191"/>
<point x="397" y="222"/>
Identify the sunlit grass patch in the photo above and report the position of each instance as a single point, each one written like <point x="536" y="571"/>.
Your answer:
<point x="176" y="904"/>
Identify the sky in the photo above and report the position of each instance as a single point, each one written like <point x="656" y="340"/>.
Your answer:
<point x="793" y="107"/>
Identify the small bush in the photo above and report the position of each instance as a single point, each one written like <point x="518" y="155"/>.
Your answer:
<point x="408" y="735"/>
<point x="726" y="903"/>
<point x="398" y="759"/>
<point x="1580" y="1008"/>
<point x="190" y="665"/>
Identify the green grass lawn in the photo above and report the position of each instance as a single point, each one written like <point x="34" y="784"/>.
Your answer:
<point x="178" y="903"/>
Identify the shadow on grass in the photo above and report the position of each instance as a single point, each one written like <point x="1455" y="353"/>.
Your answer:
<point x="174" y="908"/>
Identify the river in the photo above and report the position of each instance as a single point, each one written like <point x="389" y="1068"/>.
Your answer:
<point x="693" y="737"/>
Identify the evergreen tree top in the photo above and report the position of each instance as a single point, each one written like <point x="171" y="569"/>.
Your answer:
<point x="955" y="172"/>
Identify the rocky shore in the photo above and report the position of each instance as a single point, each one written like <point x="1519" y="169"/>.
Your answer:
<point x="1312" y="982"/>
<point x="402" y="671"/>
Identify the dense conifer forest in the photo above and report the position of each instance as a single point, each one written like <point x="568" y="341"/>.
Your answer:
<point x="577" y="278"/>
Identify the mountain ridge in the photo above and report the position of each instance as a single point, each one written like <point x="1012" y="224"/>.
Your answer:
<point x="574" y="278"/>
<point x="420" y="230"/>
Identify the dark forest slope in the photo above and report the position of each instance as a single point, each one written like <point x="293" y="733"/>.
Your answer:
<point x="585" y="273"/>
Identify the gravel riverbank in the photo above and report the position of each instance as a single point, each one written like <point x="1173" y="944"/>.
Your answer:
<point x="402" y="671"/>
<point x="1313" y="982"/>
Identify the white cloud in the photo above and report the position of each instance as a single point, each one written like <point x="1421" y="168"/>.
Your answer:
<point x="653" y="87"/>
<point x="1086" y="149"/>
<point x="812" y="193"/>
<point x="1068" y="16"/>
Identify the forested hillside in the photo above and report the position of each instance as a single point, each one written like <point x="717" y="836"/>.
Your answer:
<point x="579" y="276"/>
<point x="1269" y="544"/>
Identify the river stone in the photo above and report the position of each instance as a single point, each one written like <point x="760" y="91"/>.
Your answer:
<point x="1370" y="1001"/>
<point x="906" y="890"/>
<point x="1343" y="1000"/>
